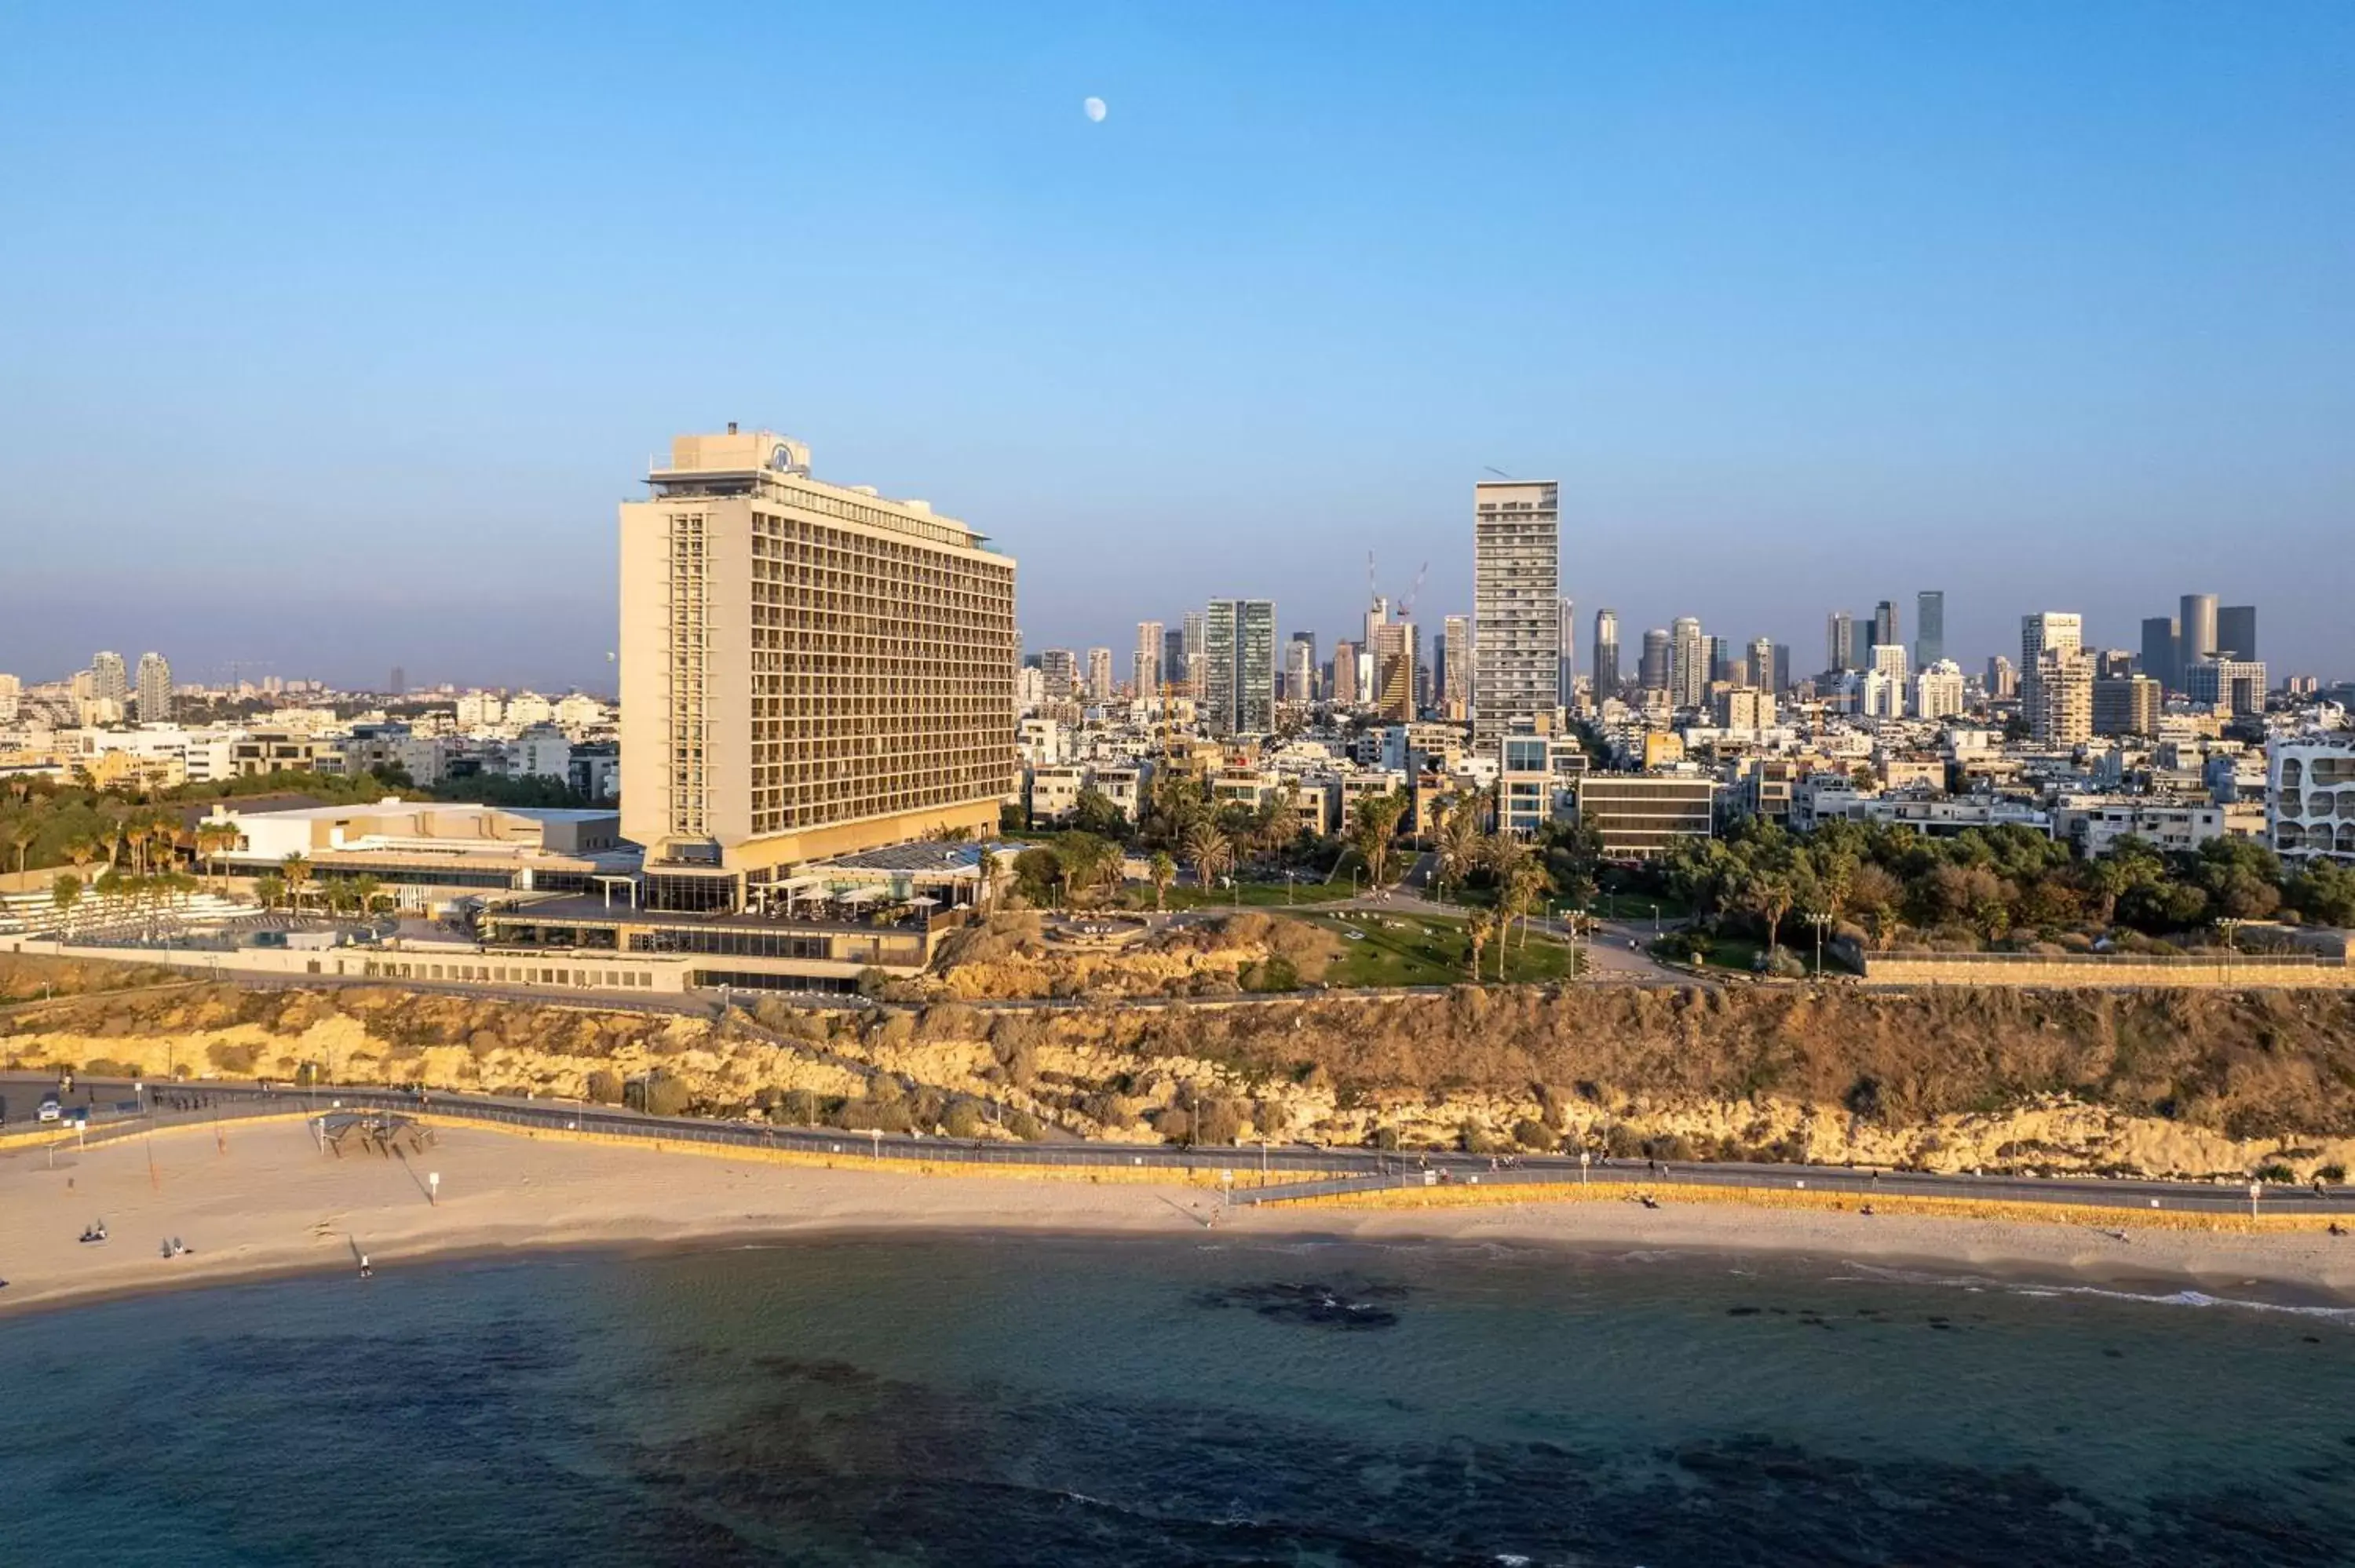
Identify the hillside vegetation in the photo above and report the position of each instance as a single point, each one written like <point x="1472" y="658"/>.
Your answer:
<point x="2191" y="1083"/>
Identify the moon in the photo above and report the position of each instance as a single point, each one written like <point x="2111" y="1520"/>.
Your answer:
<point x="1094" y="110"/>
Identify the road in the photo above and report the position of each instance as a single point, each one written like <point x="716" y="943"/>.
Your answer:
<point x="1342" y="1169"/>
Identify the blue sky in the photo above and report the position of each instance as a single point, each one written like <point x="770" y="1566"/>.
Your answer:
<point x="333" y="335"/>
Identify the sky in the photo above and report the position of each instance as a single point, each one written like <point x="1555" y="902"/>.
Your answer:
<point x="332" y="335"/>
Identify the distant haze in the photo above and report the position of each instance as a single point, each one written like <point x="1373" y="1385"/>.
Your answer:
<point x="335" y="337"/>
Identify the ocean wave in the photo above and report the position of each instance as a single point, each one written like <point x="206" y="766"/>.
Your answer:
<point x="1882" y="1274"/>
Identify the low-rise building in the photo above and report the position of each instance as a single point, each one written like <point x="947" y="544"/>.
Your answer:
<point x="1637" y="816"/>
<point x="2095" y="823"/>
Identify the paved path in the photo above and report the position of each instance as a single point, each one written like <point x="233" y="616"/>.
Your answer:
<point x="1252" y="1168"/>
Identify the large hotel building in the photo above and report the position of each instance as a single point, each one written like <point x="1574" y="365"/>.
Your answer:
<point x="807" y="671"/>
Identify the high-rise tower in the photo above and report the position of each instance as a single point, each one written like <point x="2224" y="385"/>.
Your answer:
<point x="1515" y="582"/>
<point x="806" y="669"/>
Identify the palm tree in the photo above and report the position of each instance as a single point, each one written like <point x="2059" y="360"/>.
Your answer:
<point x="1162" y="871"/>
<point x="63" y="892"/>
<point x="1519" y="896"/>
<point x="81" y="849"/>
<point x="991" y="867"/>
<point x="1374" y="835"/>
<point x="211" y="839"/>
<point x="296" y="869"/>
<point x="269" y="889"/>
<point x="22" y="835"/>
<point x="1459" y="841"/>
<point x="1475" y="933"/>
<point x="1208" y="849"/>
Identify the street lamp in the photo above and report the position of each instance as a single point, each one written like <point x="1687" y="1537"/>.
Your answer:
<point x="1820" y="919"/>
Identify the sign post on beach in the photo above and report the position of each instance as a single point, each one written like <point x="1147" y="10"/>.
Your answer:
<point x="433" y="1186"/>
<point x="2256" y="1188"/>
<point x="1583" y="1158"/>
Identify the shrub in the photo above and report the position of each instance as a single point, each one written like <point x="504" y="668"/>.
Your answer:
<point x="962" y="1120"/>
<point x="666" y="1096"/>
<point x="2331" y="1174"/>
<point x="1532" y="1134"/>
<point x="1026" y="1127"/>
<point x="1173" y="1125"/>
<point x="109" y="1067"/>
<point x="240" y="1060"/>
<point x="605" y="1087"/>
<point x="1384" y="1138"/>
<point x="2275" y="1170"/>
<point x="1476" y="1140"/>
<point x="870" y="1116"/>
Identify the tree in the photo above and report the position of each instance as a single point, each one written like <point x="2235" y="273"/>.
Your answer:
<point x="1768" y="896"/>
<point x="296" y="869"/>
<point x="1374" y="833"/>
<point x="1038" y="872"/>
<point x="1457" y="847"/>
<point x="1161" y="870"/>
<point x="368" y="893"/>
<point x="1519" y="896"/>
<point x="63" y="892"/>
<point x="1210" y="852"/>
<point x="990" y="867"/>
<point x="1094" y="813"/>
<point x="1476" y="932"/>
<point x="1090" y="862"/>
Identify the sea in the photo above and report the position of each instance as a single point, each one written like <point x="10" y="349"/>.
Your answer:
<point x="955" y="1399"/>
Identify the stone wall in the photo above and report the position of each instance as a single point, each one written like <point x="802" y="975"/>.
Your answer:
<point x="2246" y="972"/>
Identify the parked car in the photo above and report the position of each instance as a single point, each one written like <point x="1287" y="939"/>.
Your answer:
<point x="52" y="1106"/>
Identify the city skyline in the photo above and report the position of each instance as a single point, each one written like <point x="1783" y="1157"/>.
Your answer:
<point x="1844" y="303"/>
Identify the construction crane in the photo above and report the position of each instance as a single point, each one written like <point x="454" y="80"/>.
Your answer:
<point x="1404" y="605"/>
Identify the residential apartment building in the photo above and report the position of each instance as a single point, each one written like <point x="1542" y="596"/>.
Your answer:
<point x="2235" y="686"/>
<point x="2127" y="704"/>
<point x="1100" y="679"/>
<point x="1145" y="667"/>
<point x="1455" y="664"/>
<point x="1516" y="590"/>
<point x="2310" y="804"/>
<point x="1687" y="662"/>
<point x="1393" y="646"/>
<point x="1938" y="691"/>
<point x="154" y="691"/>
<point x="1238" y="662"/>
<point x="2060" y="699"/>
<point x="808" y="669"/>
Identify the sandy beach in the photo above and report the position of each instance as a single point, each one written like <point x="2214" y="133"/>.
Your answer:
<point x="269" y="1201"/>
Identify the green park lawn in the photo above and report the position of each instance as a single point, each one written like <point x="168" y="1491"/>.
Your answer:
<point x="1380" y="949"/>
<point x="1254" y="894"/>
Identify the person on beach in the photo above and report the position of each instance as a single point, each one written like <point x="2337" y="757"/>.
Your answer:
<point x="365" y="1270"/>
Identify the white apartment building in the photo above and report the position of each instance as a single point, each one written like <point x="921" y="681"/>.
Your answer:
<point x="1938" y="691"/>
<point x="1516" y="611"/>
<point x="2096" y="823"/>
<point x="1055" y="788"/>
<point x="2310" y="805"/>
